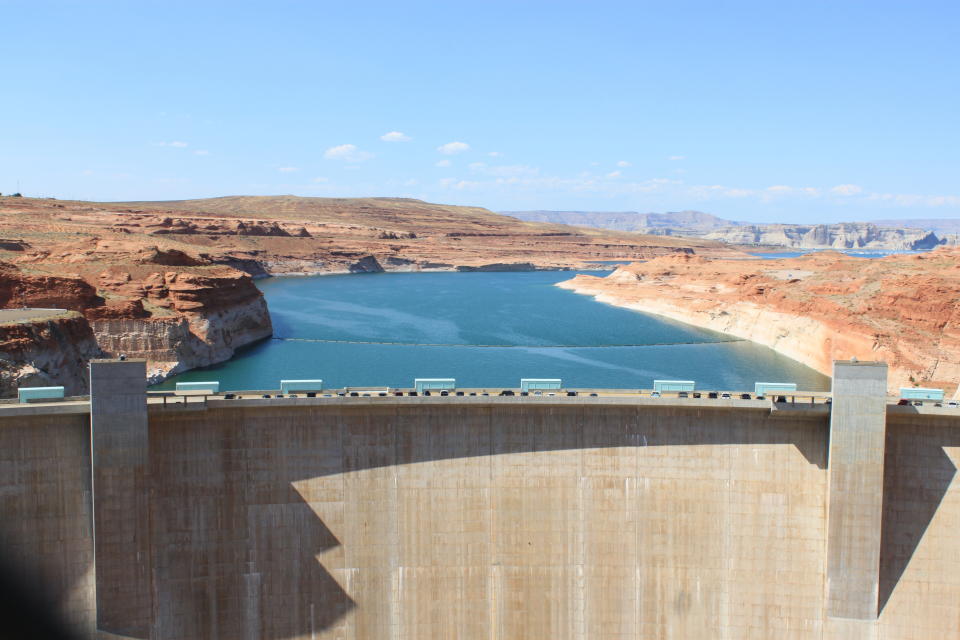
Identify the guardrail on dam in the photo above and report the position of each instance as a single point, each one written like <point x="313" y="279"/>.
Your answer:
<point x="488" y="517"/>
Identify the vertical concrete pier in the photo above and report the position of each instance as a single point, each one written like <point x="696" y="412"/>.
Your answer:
<point x="119" y="450"/>
<point x="857" y="440"/>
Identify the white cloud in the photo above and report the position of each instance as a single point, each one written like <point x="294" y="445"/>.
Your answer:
<point x="615" y="174"/>
<point x="288" y="169"/>
<point x="676" y="158"/>
<point x="453" y="183"/>
<point x="494" y="154"/>
<point x="780" y="188"/>
<point x="201" y="152"/>
<point x="176" y="143"/>
<point x="443" y="163"/>
<point x="719" y="190"/>
<point x="452" y="148"/>
<point x="395" y="136"/>
<point x="847" y="189"/>
<point x="320" y="179"/>
<point x="348" y="153"/>
<point x="87" y="172"/>
<point x="624" y="163"/>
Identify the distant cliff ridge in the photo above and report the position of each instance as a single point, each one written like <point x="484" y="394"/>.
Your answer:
<point x="899" y="235"/>
<point x="847" y="235"/>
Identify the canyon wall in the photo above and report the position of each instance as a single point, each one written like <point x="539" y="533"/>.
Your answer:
<point x="175" y="319"/>
<point x="904" y="310"/>
<point x="46" y="352"/>
<point x="200" y="319"/>
<point x="847" y="235"/>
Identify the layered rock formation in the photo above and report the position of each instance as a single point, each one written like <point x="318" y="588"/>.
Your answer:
<point x="197" y="319"/>
<point x="43" y="352"/>
<point x="172" y="281"/>
<point x="894" y="235"/>
<point x="847" y="235"/>
<point x="174" y="319"/>
<point x="901" y="309"/>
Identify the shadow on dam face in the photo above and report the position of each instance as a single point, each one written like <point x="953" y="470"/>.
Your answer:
<point x="239" y="546"/>
<point x="918" y="473"/>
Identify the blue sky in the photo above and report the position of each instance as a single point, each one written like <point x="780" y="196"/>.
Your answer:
<point x="768" y="111"/>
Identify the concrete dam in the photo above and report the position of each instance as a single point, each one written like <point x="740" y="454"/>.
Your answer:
<point x="487" y="517"/>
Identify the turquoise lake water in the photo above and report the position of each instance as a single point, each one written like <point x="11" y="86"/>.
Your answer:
<point x="485" y="330"/>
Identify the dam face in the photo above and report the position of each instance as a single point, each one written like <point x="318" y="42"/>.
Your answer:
<point x="489" y="518"/>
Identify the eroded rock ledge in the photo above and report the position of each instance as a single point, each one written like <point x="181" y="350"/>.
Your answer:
<point x="175" y="320"/>
<point x="815" y="309"/>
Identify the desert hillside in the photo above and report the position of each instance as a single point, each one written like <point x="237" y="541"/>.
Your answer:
<point x="172" y="282"/>
<point x="904" y="309"/>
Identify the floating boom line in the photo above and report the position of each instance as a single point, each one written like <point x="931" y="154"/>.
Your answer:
<point x="507" y="346"/>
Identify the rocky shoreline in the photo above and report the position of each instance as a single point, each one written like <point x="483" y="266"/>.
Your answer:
<point x="173" y="282"/>
<point x="815" y="309"/>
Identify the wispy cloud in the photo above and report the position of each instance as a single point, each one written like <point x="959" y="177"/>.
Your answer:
<point x="443" y="163"/>
<point x="675" y="158"/>
<point x="452" y="148"/>
<point x="494" y="154"/>
<point x="175" y="143"/>
<point x="624" y="164"/>
<point x="395" y="136"/>
<point x="847" y="189"/>
<point x="288" y="169"/>
<point x="615" y="174"/>
<point x="347" y="153"/>
<point x="201" y="152"/>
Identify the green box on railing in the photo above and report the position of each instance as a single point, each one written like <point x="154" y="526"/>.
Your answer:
<point x="535" y="384"/>
<point x="434" y="384"/>
<point x="33" y="394"/>
<point x="289" y="386"/>
<point x="211" y="387"/>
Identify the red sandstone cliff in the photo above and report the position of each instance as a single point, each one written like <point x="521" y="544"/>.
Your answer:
<point x="176" y="320"/>
<point x="901" y="309"/>
<point x="163" y="281"/>
<point x="196" y="319"/>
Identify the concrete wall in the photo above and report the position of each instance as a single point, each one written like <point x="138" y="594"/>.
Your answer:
<point x="505" y="520"/>
<point x="45" y="509"/>
<point x="488" y="522"/>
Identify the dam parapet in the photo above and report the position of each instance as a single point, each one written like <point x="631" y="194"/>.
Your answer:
<point x="620" y="514"/>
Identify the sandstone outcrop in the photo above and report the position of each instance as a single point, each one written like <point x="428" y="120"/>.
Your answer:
<point x="172" y="281"/>
<point x="901" y="309"/>
<point x="849" y="235"/>
<point x="176" y="320"/>
<point x="46" y="352"/>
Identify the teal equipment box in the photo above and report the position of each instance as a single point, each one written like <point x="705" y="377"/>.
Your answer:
<point x="535" y="384"/>
<point x="210" y="387"/>
<point x="919" y="393"/>
<point x="289" y="386"/>
<point x="768" y="388"/>
<point x="34" y="394"/>
<point x="434" y="384"/>
<point x="673" y="385"/>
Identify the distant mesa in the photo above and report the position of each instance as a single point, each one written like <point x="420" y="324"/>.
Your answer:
<point x="891" y="235"/>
